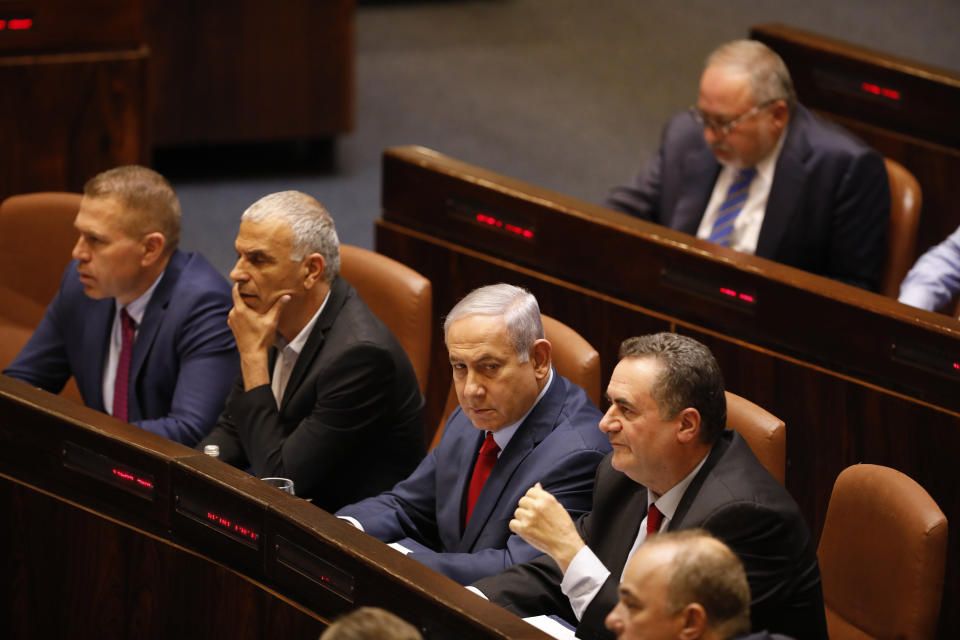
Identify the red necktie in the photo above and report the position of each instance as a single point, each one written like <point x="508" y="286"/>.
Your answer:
<point x="654" y="519"/>
<point x="481" y="471"/>
<point x="127" y="330"/>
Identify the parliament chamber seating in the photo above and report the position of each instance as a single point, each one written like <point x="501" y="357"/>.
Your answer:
<point x="36" y="240"/>
<point x="764" y="432"/>
<point x="573" y="358"/>
<point x="906" y="200"/>
<point x="882" y="555"/>
<point x="399" y="296"/>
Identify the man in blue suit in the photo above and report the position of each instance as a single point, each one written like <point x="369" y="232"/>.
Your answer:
<point x="750" y="168"/>
<point x="518" y="421"/>
<point x="141" y="325"/>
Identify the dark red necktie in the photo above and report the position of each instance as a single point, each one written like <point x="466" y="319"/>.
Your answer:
<point x="127" y="330"/>
<point x="654" y="519"/>
<point x="481" y="471"/>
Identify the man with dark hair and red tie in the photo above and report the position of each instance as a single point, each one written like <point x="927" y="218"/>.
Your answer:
<point x="673" y="467"/>
<point x="140" y="325"/>
<point x="519" y="423"/>
<point x="750" y="168"/>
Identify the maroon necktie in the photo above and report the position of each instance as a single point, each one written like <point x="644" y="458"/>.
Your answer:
<point x="481" y="471"/>
<point x="127" y="330"/>
<point x="654" y="519"/>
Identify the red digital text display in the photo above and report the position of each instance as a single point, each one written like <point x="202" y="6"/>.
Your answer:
<point x="229" y="525"/>
<point x="733" y="293"/>
<point x="16" y="24"/>
<point x="483" y="218"/>
<point x="131" y="478"/>
<point x="877" y="90"/>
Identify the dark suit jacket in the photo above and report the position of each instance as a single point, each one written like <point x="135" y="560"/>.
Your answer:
<point x="734" y="498"/>
<point x="184" y="356"/>
<point x="558" y="445"/>
<point x="829" y="204"/>
<point x="349" y="425"/>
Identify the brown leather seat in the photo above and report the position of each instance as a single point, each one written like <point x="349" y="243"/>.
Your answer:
<point x="573" y="358"/>
<point x="882" y="554"/>
<point x="399" y="296"/>
<point x="36" y="240"/>
<point x="906" y="198"/>
<point x="764" y="432"/>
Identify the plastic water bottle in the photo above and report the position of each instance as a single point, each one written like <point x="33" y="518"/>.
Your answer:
<point x="212" y="450"/>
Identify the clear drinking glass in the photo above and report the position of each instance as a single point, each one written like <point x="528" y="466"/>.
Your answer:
<point x="284" y="484"/>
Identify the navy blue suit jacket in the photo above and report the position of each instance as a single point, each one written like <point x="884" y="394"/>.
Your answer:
<point x="829" y="204"/>
<point x="558" y="445"/>
<point x="184" y="356"/>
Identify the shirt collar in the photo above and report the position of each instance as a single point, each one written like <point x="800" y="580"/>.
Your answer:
<point x="503" y="436"/>
<point x="296" y="345"/>
<point x="138" y="307"/>
<point x="667" y="503"/>
<point x="766" y="167"/>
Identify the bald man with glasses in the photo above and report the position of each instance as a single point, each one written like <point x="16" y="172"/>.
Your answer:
<point x="749" y="168"/>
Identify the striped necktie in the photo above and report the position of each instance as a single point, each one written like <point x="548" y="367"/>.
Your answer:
<point x="722" y="231"/>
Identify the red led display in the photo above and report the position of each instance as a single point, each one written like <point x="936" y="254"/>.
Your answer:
<point x="229" y="525"/>
<point x="22" y="24"/>
<point x="877" y="90"/>
<point x="500" y="224"/>
<point x="3" y="25"/>
<point x="746" y="297"/>
<point x="126" y="476"/>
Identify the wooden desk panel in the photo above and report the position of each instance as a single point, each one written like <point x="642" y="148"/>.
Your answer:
<point x="209" y="551"/>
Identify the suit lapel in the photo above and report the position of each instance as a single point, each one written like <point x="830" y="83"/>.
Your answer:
<point x="534" y="429"/>
<point x="700" y="170"/>
<point x="339" y="290"/>
<point x="786" y="191"/>
<point x="100" y="326"/>
<point x="722" y="444"/>
<point x="153" y="318"/>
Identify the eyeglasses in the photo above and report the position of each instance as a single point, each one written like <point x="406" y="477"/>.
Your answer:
<point x="723" y="129"/>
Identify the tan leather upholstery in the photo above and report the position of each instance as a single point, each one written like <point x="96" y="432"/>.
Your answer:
<point x="882" y="555"/>
<point x="906" y="198"/>
<point x="764" y="432"/>
<point x="399" y="296"/>
<point x="36" y="240"/>
<point x="573" y="358"/>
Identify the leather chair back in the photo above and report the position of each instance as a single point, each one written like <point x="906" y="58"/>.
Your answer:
<point x="399" y="296"/>
<point x="36" y="240"/>
<point x="573" y="358"/>
<point x="764" y="432"/>
<point x="906" y="198"/>
<point x="882" y="555"/>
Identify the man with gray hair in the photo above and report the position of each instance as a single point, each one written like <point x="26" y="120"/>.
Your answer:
<point x="519" y="424"/>
<point x="139" y="324"/>
<point x="684" y="585"/>
<point x="326" y="396"/>
<point x="674" y="466"/>
<point x="751" y="169"/>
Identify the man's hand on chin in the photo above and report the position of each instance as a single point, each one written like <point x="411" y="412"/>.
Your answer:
<point x="255" y="332"/>
<point x="545" y="525"/>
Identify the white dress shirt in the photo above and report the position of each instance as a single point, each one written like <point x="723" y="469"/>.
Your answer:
<point x="746" y="226"/>
<point x="288" y="352"/>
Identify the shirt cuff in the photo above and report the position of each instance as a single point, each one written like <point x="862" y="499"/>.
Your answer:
<point x="583" y="580"/>
<point x="477" y="591"/>
<point x="352" y="521"/>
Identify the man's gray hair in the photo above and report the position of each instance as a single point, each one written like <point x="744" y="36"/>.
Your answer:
<point x="310" y="223"/>
<point x="517" y="306"/>
<point x="769" y="78"/>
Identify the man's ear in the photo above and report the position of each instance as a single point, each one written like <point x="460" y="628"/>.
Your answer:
<point x="315" y="266"/>
<point x="153" y="245"/>
<point x="694" y="618"/>
<point x="689" y="429"/>
<point x="540" y="356"/>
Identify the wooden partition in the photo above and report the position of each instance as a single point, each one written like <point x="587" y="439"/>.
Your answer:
<point x="113" y="532"/>
<point x="904" y="109"/>
<point x="857" y="377"/>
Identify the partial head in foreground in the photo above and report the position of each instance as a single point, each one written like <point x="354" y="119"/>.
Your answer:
<point x="682" y="585"/>
<point x="371" y="623"/>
